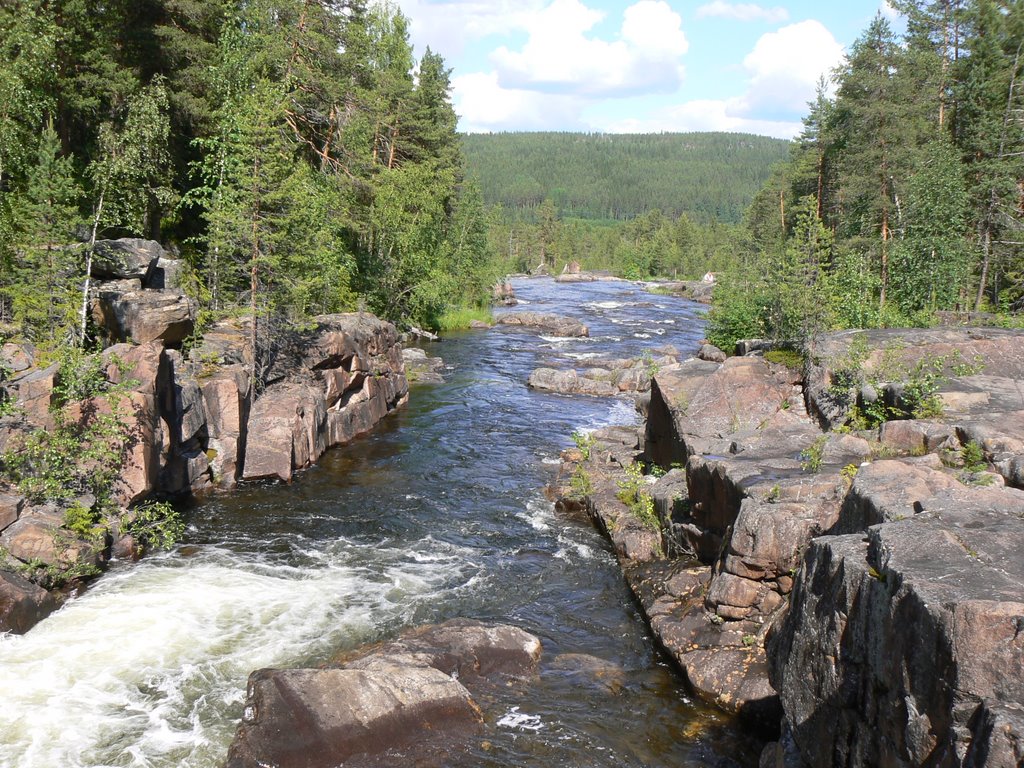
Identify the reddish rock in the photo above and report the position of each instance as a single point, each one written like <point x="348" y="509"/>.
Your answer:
<point x="143" y="316"/>
<point x="23" y="604"/>
<point x="226" y="401"/>
<point x="40" y="538"/>
<point x="10" y="508"/>
<point x="290" y="420"/>
<point x="398" y="703"/>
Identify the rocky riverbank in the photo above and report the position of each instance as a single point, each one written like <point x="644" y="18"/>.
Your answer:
<point x="193" y="422"/>
<point x="830" y="551"/>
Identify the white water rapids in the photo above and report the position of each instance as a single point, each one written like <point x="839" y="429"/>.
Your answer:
<point x="129" y="673"/>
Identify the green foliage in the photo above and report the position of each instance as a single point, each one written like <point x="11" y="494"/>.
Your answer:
<point x="53" y="576"/>
<point x="600" y="176"/>
<point x="632" y="494"/>
<point x="84" y="451"/>
<point x="650" y="365"/>
<point x="156" y="524"/>
<point x="459" y="318"/>
<point x="580" y="484"/>
<point x="83" y="521"/>
<point x="900" y="197"/>
<point x="737" y="313"/>
<point x="790" y="358"/>
<point x="973" y="457"/>
<point x="813" y="455"/>
<point x="584" y="443"/>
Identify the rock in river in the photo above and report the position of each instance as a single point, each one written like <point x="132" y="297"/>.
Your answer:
<point x="399" y="703"/>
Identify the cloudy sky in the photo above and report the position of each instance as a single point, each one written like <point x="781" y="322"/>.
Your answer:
<point x="642" y="66"/>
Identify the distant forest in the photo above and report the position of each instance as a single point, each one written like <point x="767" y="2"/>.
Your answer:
<point x="708" y="176"/>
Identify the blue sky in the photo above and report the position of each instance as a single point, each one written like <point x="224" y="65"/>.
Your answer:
<point x="640" y="66"/>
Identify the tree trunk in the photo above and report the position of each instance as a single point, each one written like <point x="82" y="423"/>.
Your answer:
<point x="885" y="260"/>
<point x="84" y="312"/>
<point x="986" y="259"/>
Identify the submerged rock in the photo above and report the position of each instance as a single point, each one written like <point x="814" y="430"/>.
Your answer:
<point x="422" y="368"/>
<point x="556" y="325"/>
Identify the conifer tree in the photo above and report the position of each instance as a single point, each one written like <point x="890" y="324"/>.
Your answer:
<point x="43" y="289"/>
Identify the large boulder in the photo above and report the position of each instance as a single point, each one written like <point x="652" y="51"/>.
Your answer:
<point x="23" y="604"/>
<point x="396" y="703"/>
<point x="321" y="718"/>
<point x="124" y="259"/>
<point x="290" y="420"/>
<point x="142" y="316"/>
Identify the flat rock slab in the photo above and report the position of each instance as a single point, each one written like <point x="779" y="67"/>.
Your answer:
<point x="999" y="352"/>
<point x="554" y="324"/>
<point x="467" y="650"/>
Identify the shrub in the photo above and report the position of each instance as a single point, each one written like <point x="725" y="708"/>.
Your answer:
<point x="156" y="524"/>
<point x="640" y="503"/>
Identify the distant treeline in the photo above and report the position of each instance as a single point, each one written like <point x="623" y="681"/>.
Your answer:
<point x="709" y="176"/>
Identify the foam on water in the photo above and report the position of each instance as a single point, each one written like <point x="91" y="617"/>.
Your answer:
<point x="133" y="672"/>
<point x="520" y="721"/>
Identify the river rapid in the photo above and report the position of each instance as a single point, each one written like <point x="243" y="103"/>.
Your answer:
<point x="439" y="514"/>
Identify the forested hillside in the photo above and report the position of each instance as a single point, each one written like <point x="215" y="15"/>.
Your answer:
<point x="904" y="195"/>
<point x="283" y="147"/>
<point x="709" y="176"/>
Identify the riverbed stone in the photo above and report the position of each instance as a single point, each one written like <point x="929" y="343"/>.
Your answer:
<point x="469" y="651"/>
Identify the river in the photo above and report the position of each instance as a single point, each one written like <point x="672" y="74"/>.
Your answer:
<point x="439" y="514"/>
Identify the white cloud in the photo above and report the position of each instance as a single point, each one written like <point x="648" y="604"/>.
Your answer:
<point x="483" y="105"/>
<point x="785" y="67"/>
<point x="742" y="12"/>
<point x="448" y="25"/>
<point x="890" y="13"/>
<point x="560" y="57"/>
<point x="704" y="115"/>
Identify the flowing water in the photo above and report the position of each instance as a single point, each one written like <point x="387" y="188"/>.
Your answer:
<point x="439" y="514"/>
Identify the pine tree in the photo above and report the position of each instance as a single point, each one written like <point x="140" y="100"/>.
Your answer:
<point x="43" y="290"/>
<point x="248" y="217"/>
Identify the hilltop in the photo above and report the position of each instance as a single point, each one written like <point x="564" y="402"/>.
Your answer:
<point x="620" y="176"/>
